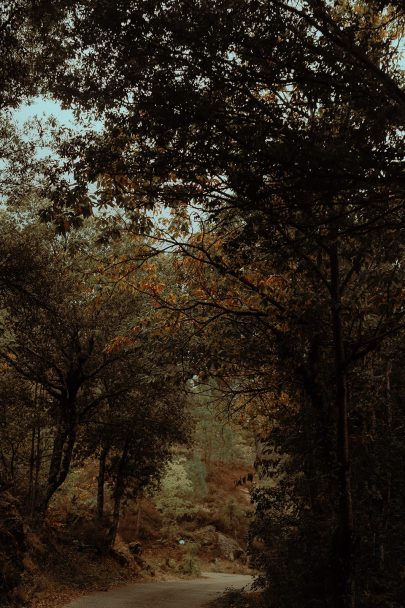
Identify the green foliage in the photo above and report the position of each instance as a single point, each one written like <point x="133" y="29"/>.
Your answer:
<point x="83" y="368"/>
<point x="215" y="437"/>
<point x="76" y="498"/>
<point x="174" y="498"/>
<point x="197" y="473"/>
<point x="189" y="564"/>
<point x="232" y="514"/>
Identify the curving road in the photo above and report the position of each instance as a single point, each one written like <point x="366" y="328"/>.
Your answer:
<point x="174" y="594"/>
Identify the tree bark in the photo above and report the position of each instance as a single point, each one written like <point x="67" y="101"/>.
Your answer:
<point x="118" y="494"/>
<point x="30" y="493"/>
<point x="64" y="444"/>
<point x="138" y="517"/>
<point x="38" y="461"/>
<point x="344" y="545"/>
<point x="101" y="481"/>
<point x="60" y="466"/>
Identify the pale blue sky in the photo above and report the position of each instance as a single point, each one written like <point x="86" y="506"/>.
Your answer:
<point x="43" y="107"/>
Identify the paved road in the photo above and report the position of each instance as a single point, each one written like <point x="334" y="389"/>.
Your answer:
<point x="176" y="594"/>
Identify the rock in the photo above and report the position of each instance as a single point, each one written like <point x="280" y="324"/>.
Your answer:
<point x="135" y="548"/>
<point x="207" y="535"/>
<point x="229" y="548"/>
<point x="208" y="529"/>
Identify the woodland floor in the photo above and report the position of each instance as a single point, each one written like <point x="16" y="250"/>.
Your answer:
<point x="237" y="599"/>
<point x="62" y="566"/>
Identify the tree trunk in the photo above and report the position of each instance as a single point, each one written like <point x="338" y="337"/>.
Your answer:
<point x="386" y="514"/>
<point x="38" y="460"/>
<point x="101" y="481"/>
<point x="344" y="545"/>
<point x="118" y="494"/>
<point x="30" y="493"/>
<point x="60" y="465"/>
<point x="138" y="517"/>
<point x="63" y="446"/>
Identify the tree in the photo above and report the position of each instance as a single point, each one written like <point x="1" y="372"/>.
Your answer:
<point x="19" y="43"/>
<point x="135" y="431"/>
<point x="282" y="122"/>
<point x="71" y="335"/>
<point x="214" y="435"/>
<point x="174" y="498"/>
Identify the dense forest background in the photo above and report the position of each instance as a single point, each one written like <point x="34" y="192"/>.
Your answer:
<point x="220" y="236"/>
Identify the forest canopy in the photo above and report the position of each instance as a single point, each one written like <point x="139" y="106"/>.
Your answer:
<point x="236" y="218"/>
